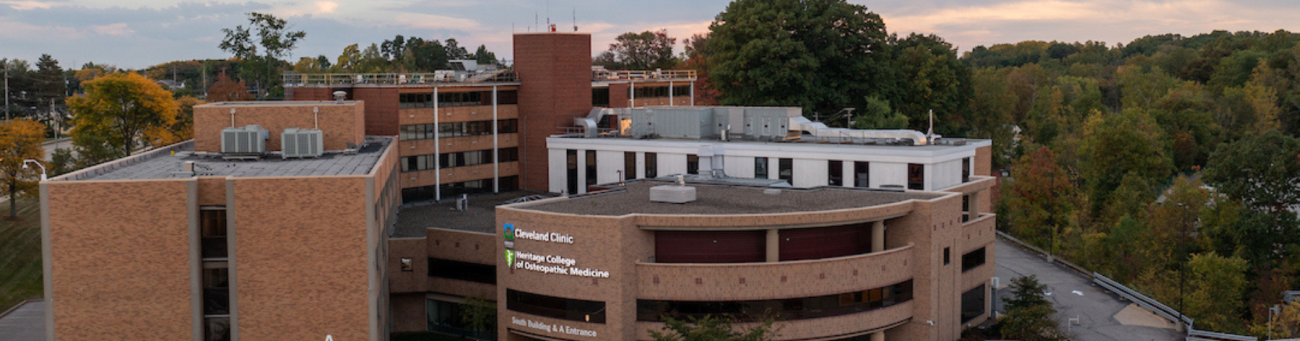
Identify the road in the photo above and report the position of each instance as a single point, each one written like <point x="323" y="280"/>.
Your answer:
<point x="1102" y="316"/>
<point x="51" y="146"/>
<point x="26" y="323"/>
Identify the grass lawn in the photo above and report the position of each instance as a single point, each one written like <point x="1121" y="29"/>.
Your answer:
<point x="20" y="254"/>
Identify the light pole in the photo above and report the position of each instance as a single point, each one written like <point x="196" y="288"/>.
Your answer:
<point x="38" y="164"/>
<point x="1274" y="310"/>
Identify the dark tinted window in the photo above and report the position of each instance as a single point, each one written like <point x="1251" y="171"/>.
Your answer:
<point x="629" y="165"/>
<point x="692" y="164"/>
<point x="915" y="176"/>
<point x="760" y="168"/>
<point x="861" y="174"/>
<point x="972" y="259"/>
<point x="785" y="170"/>
<point x="972" y="303"/>
<point x="835" y="173"/>
<point x="786" y="309"/>
<point x="651" y="165"/>
<point x="212" y="225"/>
<point x="591" y="167"/>
<point x="464" y="271"/>
<point x="555" y="307"/>
<point x="965" y="170"/>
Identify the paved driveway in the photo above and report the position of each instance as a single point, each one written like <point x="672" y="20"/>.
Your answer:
<point x="1102" y="316"/>
<point x="27" y="323"/>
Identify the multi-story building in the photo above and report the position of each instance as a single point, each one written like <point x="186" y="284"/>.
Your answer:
<point x="490" y="127"/>
<point x="569" y="237"/>
<point x="179" y="243"/>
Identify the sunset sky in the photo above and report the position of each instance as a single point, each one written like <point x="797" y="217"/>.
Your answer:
<point x="139" y="33"/>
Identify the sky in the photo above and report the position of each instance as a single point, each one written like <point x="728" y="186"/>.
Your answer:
<point x="139" y="33"/>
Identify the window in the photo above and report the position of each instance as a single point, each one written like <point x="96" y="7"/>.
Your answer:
<point x="861" y="174"/>
<point x="972" y="259"/>
<point x="972" y="303"/>
<point x="787" y="309"/>
<point x="508" y="97"/>
<point x="591" y="167"/>
<point x="946" y="252"/>
<point x="651" y="165"/>
<point x="785" y="170"/>
<point x="629" y="165"/>
<point x="760" y="168"/>
<point x="508" y="154"/>
<point x="965" y="208"/>
<point x="472" y="272"/>
<point x="415" y="101"/>
<point x="682" y="90"/>
<point x="216" y="328"/>
<point x="916" y="176"/>
<point x="555" y="307"/>
<point x="965" y="170"/>
<point x="692" y="164"/>
<point x="835" y="173"/>
<point x="571" y="157"/>
<point x="216" y="300"/>
<point x="407" y="264"/>
<point x="600" y="97"/>
<point x="461" y="99"/>
<point x="456" y="129"/>
<point x="212" y="226"/>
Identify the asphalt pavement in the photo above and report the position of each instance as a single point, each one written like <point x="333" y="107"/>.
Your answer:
<point x="1100" y="316"/>
<point x="25" y="323"/>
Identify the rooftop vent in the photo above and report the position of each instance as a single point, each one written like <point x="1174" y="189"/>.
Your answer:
<point x="302" y="143"/>
<point x="673" y="194"/>
<point x="339" y="96"/>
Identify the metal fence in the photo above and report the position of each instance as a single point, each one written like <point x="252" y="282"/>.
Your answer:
<point x="1160" y="309"/>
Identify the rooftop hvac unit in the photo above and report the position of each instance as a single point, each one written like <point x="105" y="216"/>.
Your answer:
<point x="248" y="141"/>
<point x="302" y="143"/>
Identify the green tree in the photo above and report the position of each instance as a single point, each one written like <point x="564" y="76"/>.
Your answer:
<point x="116" y="111"/>
<point x="711" y="328"/>
<point x="349" y="59"/>
<point x="1040" y="192"/>
<point x="424" y="55"/>
<point x="1118" y="144"/>
<point x="990" y="110"/>
<point x="485" y="57"/>
<point x="821" y="55"/>
<point x="273" y="37"/>
<point x="646" y="50"/>
<point x="49" y="83"/>
<point x="20" y="139"/>
<point x="931" y="78"/>
<point x="1260" y="170"/>
<point x="455" y="51"/>
<point x="479" y="314"/>
<point x="1214" y="290"/>
<point x="1030" y="317"/>
<point x="878" y="114"/>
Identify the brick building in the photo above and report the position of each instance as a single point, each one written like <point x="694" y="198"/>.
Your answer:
<point x="822" y="229"/>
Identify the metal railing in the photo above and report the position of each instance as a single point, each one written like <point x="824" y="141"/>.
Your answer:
<point x="1127" y="293"/>
<point x="619" y="75"/>
<point x="294" y="79"/>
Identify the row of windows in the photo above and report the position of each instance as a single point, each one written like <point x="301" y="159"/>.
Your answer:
<point x="659" y="91"/>
<point x="472" y="272"/>
<point x="555" y="307"/>
<point x="973" y="259"/>
<point x="457" y="129"/>
<point x="215" y="274"/>
<point x="458" y="159"/>
<point x="784" y="309"/>
<point x="455" y="99"/>
<point x="426" y="193"/>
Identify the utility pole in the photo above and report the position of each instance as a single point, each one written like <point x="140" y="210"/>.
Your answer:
<point x="54" y="115"/>
<point x="6" y="66"/>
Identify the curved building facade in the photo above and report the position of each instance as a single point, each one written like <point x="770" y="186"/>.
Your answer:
<point x="825" y="263"/>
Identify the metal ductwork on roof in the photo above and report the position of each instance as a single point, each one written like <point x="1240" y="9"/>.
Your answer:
<point x="818" y="129"/>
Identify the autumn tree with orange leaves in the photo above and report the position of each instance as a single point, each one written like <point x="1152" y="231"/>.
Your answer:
<point x="20" y="140"/>
<point x="228" y="90"/>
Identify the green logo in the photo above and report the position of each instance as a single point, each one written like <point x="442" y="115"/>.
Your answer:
<point x="510" y="257"/>
<point x="510" y="231"/>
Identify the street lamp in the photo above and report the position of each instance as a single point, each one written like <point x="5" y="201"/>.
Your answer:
<point x="38" y="164"/>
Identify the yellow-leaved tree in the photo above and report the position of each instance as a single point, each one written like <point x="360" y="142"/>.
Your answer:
<point x="113" y="116"/>
<point x="20" y="140"/>
<point x="180" y="130"/>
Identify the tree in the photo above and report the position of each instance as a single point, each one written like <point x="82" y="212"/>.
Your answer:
<point x="479" y="314"/>
<point x="1040" y="192"/>
<point x="1260" y="170"/>
<point x="711" y="328"/>
<point x="20" y="139"/>
<point x="424" y="55"/>
<point x="821" y="55"/>
<point x="931" y="78"/>
<point x="455" y="51"/>
<point x="228" y="90"/>
<point x="117" y="110"/>
<point x="642" y="51"/>
<point x="1216" y="285"/>
<point x="485" y="57"/>
<point x="349" y="59"/>
<point x="49" y="81"/>
<point x="1030" y="317"/>
<point x="990" y="113"/>
<point x="180" y="130"/>
<point x="878" y="114"/>
<point x="697" y="57"/>
<point x="273" y="37"/>
<point x="1118" y="144"/>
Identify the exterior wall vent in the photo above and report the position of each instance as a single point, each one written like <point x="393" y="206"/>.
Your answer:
<point x="245" y="142"/>
<point x="302" y="143"/>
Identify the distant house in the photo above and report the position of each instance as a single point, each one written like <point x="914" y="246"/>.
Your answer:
<point x="171" y="85"/>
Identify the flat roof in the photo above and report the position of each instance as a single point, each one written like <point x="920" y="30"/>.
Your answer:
<point x="414" y="219"/>
<point x="724" y="199"/>
<point x="275" y="104"/>
<point x="560" y="141"/>
<point x="162" y="164"/>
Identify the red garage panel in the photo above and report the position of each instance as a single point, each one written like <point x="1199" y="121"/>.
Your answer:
<point x="825" y="242"/>
<point x="710" y="246"/>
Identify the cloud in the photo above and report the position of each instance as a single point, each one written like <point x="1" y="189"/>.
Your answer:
<point x="118" y="29"/>
<point x="435" y="22"/>
<point x="23" y="5"/>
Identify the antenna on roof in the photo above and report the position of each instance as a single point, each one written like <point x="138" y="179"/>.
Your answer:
<point x="929" y="135"/>
<point x="548" y="13"/>
<point x="575" y="18"/>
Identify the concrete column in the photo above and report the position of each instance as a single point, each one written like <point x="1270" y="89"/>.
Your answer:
<point x="496" y="144"/>
<point x="878" y="336"/>
<point x="975" y="205"/>
<point x="773" y="245"/>
<point x="878" y="237"/>
<point x="631" y="94"/>
<point x="437" y="141"/>
<point x="670" y="93"/>
<point x="692" y="93"/>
